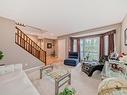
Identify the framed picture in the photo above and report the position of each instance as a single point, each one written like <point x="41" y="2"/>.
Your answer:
<point x="125" y="36"/>
<point x="49" y="45"/>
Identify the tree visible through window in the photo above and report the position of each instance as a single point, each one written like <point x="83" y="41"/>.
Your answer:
<point x="89" y="48"/>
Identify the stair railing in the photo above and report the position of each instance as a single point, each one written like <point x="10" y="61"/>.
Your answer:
<point x="29" y="45"/>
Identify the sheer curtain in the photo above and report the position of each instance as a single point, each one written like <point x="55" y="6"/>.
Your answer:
<point x="75" y="47"/>
<point x="106" y="45"/>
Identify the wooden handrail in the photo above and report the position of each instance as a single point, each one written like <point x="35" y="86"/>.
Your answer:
<point x="29" y="45"/>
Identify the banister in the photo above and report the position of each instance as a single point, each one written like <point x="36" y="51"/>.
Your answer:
<point x="29" y="45"/>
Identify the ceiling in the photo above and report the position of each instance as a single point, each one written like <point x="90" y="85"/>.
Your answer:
<point x="60" y="17"/>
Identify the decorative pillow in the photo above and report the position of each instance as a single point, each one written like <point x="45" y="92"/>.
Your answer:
<point x="113" y="86"/>
<point x="124" y="58"/>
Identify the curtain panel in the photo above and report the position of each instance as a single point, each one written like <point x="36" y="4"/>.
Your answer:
<point x="71" y="44"/>
<point x="111" y="43"/>
<point x="78" y="47"/>
<point x="102" y="43"/>
<point x="101" y="46"/>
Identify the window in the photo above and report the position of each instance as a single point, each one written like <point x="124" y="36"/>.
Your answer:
<point x="89" y="48"/>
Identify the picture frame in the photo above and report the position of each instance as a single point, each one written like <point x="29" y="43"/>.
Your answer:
<point x="49" y="45"/>
<point x="125" y="37"/>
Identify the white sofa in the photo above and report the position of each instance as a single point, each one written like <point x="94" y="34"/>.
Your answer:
<point x="16" y="83"/>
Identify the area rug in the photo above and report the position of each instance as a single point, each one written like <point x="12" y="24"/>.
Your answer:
<point x="83" y="84"/>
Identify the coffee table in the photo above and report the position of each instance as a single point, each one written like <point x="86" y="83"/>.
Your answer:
<point x="60" y="77"/>
<point x="89" y="67"/>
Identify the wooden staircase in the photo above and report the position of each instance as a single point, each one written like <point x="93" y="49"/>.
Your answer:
<point x="29" y="45"/>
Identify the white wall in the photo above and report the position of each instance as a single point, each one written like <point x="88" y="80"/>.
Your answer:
<point x="124" y="26"/>
<point x="62" y="48"/>
<point x="49" y="51"/>
<point x="13" y="53"/>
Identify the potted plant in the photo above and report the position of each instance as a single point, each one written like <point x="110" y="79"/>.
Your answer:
<point x="1" y="55"/>
<point x="87" y="57"/>
<point x="68" y="91"/>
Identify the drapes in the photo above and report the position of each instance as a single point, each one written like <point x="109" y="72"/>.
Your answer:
<point x="101" y="45"/>
<point x="78" y="47"/>
<point x="71" y="44"/>
<point x="110" y="43"/>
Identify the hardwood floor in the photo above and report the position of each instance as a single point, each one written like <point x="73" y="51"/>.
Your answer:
<point x="53" y="60"/>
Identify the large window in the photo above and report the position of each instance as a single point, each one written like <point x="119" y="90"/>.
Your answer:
<point x="93" y="48"/>
<point x="89" y="48"/>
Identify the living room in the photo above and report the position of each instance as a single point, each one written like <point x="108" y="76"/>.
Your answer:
<point x="63" y="47"/>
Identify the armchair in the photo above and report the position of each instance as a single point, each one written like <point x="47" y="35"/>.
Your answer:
<point x="73" y="59"/>
<point x="73" y="55"/>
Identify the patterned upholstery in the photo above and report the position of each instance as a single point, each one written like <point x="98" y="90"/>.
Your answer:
<point x="113" y="86"/>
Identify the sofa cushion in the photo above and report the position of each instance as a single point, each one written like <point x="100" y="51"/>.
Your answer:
<point x="75" y="57"/>
<point x="71" y="62"/>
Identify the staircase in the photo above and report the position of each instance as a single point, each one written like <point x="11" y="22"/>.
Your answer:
<point x="29" y="45"/>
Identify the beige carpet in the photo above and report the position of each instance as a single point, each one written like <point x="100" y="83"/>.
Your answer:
<point x="83" y="84"/>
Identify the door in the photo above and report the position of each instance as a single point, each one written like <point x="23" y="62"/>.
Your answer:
<point x="62" y="49"/>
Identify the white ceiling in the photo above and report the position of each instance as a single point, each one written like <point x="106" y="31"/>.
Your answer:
<point x="64" y="16"/>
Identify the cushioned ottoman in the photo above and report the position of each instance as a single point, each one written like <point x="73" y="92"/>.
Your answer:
<point x="71" y="62"/>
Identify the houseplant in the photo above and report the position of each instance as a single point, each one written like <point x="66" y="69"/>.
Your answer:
<point x="1" y="55"/>
<point x="68" y="91"/>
